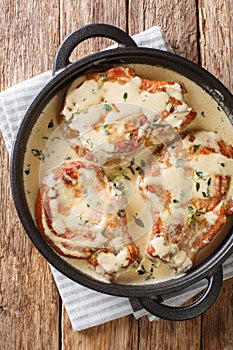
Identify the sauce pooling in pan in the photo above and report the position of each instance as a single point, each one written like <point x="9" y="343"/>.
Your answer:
<point x="131" y="128"/>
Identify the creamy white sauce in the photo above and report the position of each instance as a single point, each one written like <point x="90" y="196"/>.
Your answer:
<point x="213" y="119"/>
<point x="91" y="93"/>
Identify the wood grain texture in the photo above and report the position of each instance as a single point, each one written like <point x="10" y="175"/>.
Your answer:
<point x="217" y="322"/>
<point x="216" y="33"/>
<point x="169" y="335"/>
<point x="29" y="302"/>
<point x="121" y="334"/>
<point x="216" y="55"/>
<point x="177" y="19"/>
<point x="30" y="33"/>
<point x="100" y="11"/>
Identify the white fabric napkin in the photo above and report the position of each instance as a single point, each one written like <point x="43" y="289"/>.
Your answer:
<point x="86" y="308"/>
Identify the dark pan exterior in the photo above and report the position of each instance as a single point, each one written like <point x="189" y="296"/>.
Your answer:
<point x="210" y="269"/>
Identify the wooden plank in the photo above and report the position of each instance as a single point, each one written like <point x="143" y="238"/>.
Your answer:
<point x="216" y="33"/>
<point x="168" y="335"/>
<point x="122" y="333"/>
<point x="29" y="301"/>
<point x="176" y="18"/>
<point x="180" y="28"/>
<point x="100" y="11"/>
<point x="216" y="55"/>
<point x="30" y="31"/>
<point x="219" y="318"/>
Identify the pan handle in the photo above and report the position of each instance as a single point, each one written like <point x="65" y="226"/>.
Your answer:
<point x="182" y="313"/>
<point x="84" y="33"/>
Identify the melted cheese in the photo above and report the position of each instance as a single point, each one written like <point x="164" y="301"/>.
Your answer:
<point x="113" y="263"/>
<point x="91" y="95"/>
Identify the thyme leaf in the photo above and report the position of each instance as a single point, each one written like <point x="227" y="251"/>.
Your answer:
<point x="175" y="201"/>
<point x="38" y="154"/>
<point x="197" y="186"/>
<point x="107" y="107"/>
<point x="120" y="212"/>
<point x="138" y="222"/>
<point x="195" y="148"/>
<point x="50" y="124"/>
<point x="125" y="96"/>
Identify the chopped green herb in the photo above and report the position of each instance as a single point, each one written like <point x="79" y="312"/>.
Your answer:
<point x="38" y="154"/>
<point x="131" y="169"/>
<point x="199" y="174"/>
<point x="90" y="143"/>
<point x="83" y="222"/>
<point x="125" y="96"/>
<point x="107" y="107"/>
<point x="50" y="124"/>
<point x="200" y="212"/>
<point x="143" y="164"/>
<point x="120" y="212"/>
<point x="195" y="148"/>
<point x="104" y="77"/>
<point x="140" y="170"/>
<point x="27" y="171"/>
<point x="169" y="107"/>
<point x="191" y="215"/>
<point x="143" y="271"/>
<point x="104" y="128"/>
<point x="156" y="125"/>
<point x="137" y="262"/>
<point x="222" y="164"/>
<point x="113" y="177"/>
<point x="138" y="221"/>
<point x="103" y="231"/>
<point x="150" y="274"/>
<point x="119" y="186"/>
<point x="153" y="265"/>
<point x="203" y="114"/>
<point x="123" y="173"/>
<point x="132" y="161"/>
<point x="107" y="132"/>
<point x="175" y="201"/>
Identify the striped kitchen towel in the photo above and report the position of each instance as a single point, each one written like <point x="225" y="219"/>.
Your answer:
<point x="86" y="308"/>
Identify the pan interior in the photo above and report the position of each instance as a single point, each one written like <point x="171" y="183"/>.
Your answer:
<point x="210" y="116"/>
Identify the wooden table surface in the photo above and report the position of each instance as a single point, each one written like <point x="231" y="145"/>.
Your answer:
<point x="31" y="312"/>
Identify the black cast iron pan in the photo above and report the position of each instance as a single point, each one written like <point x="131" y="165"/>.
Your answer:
<point x="150" y="296"/>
